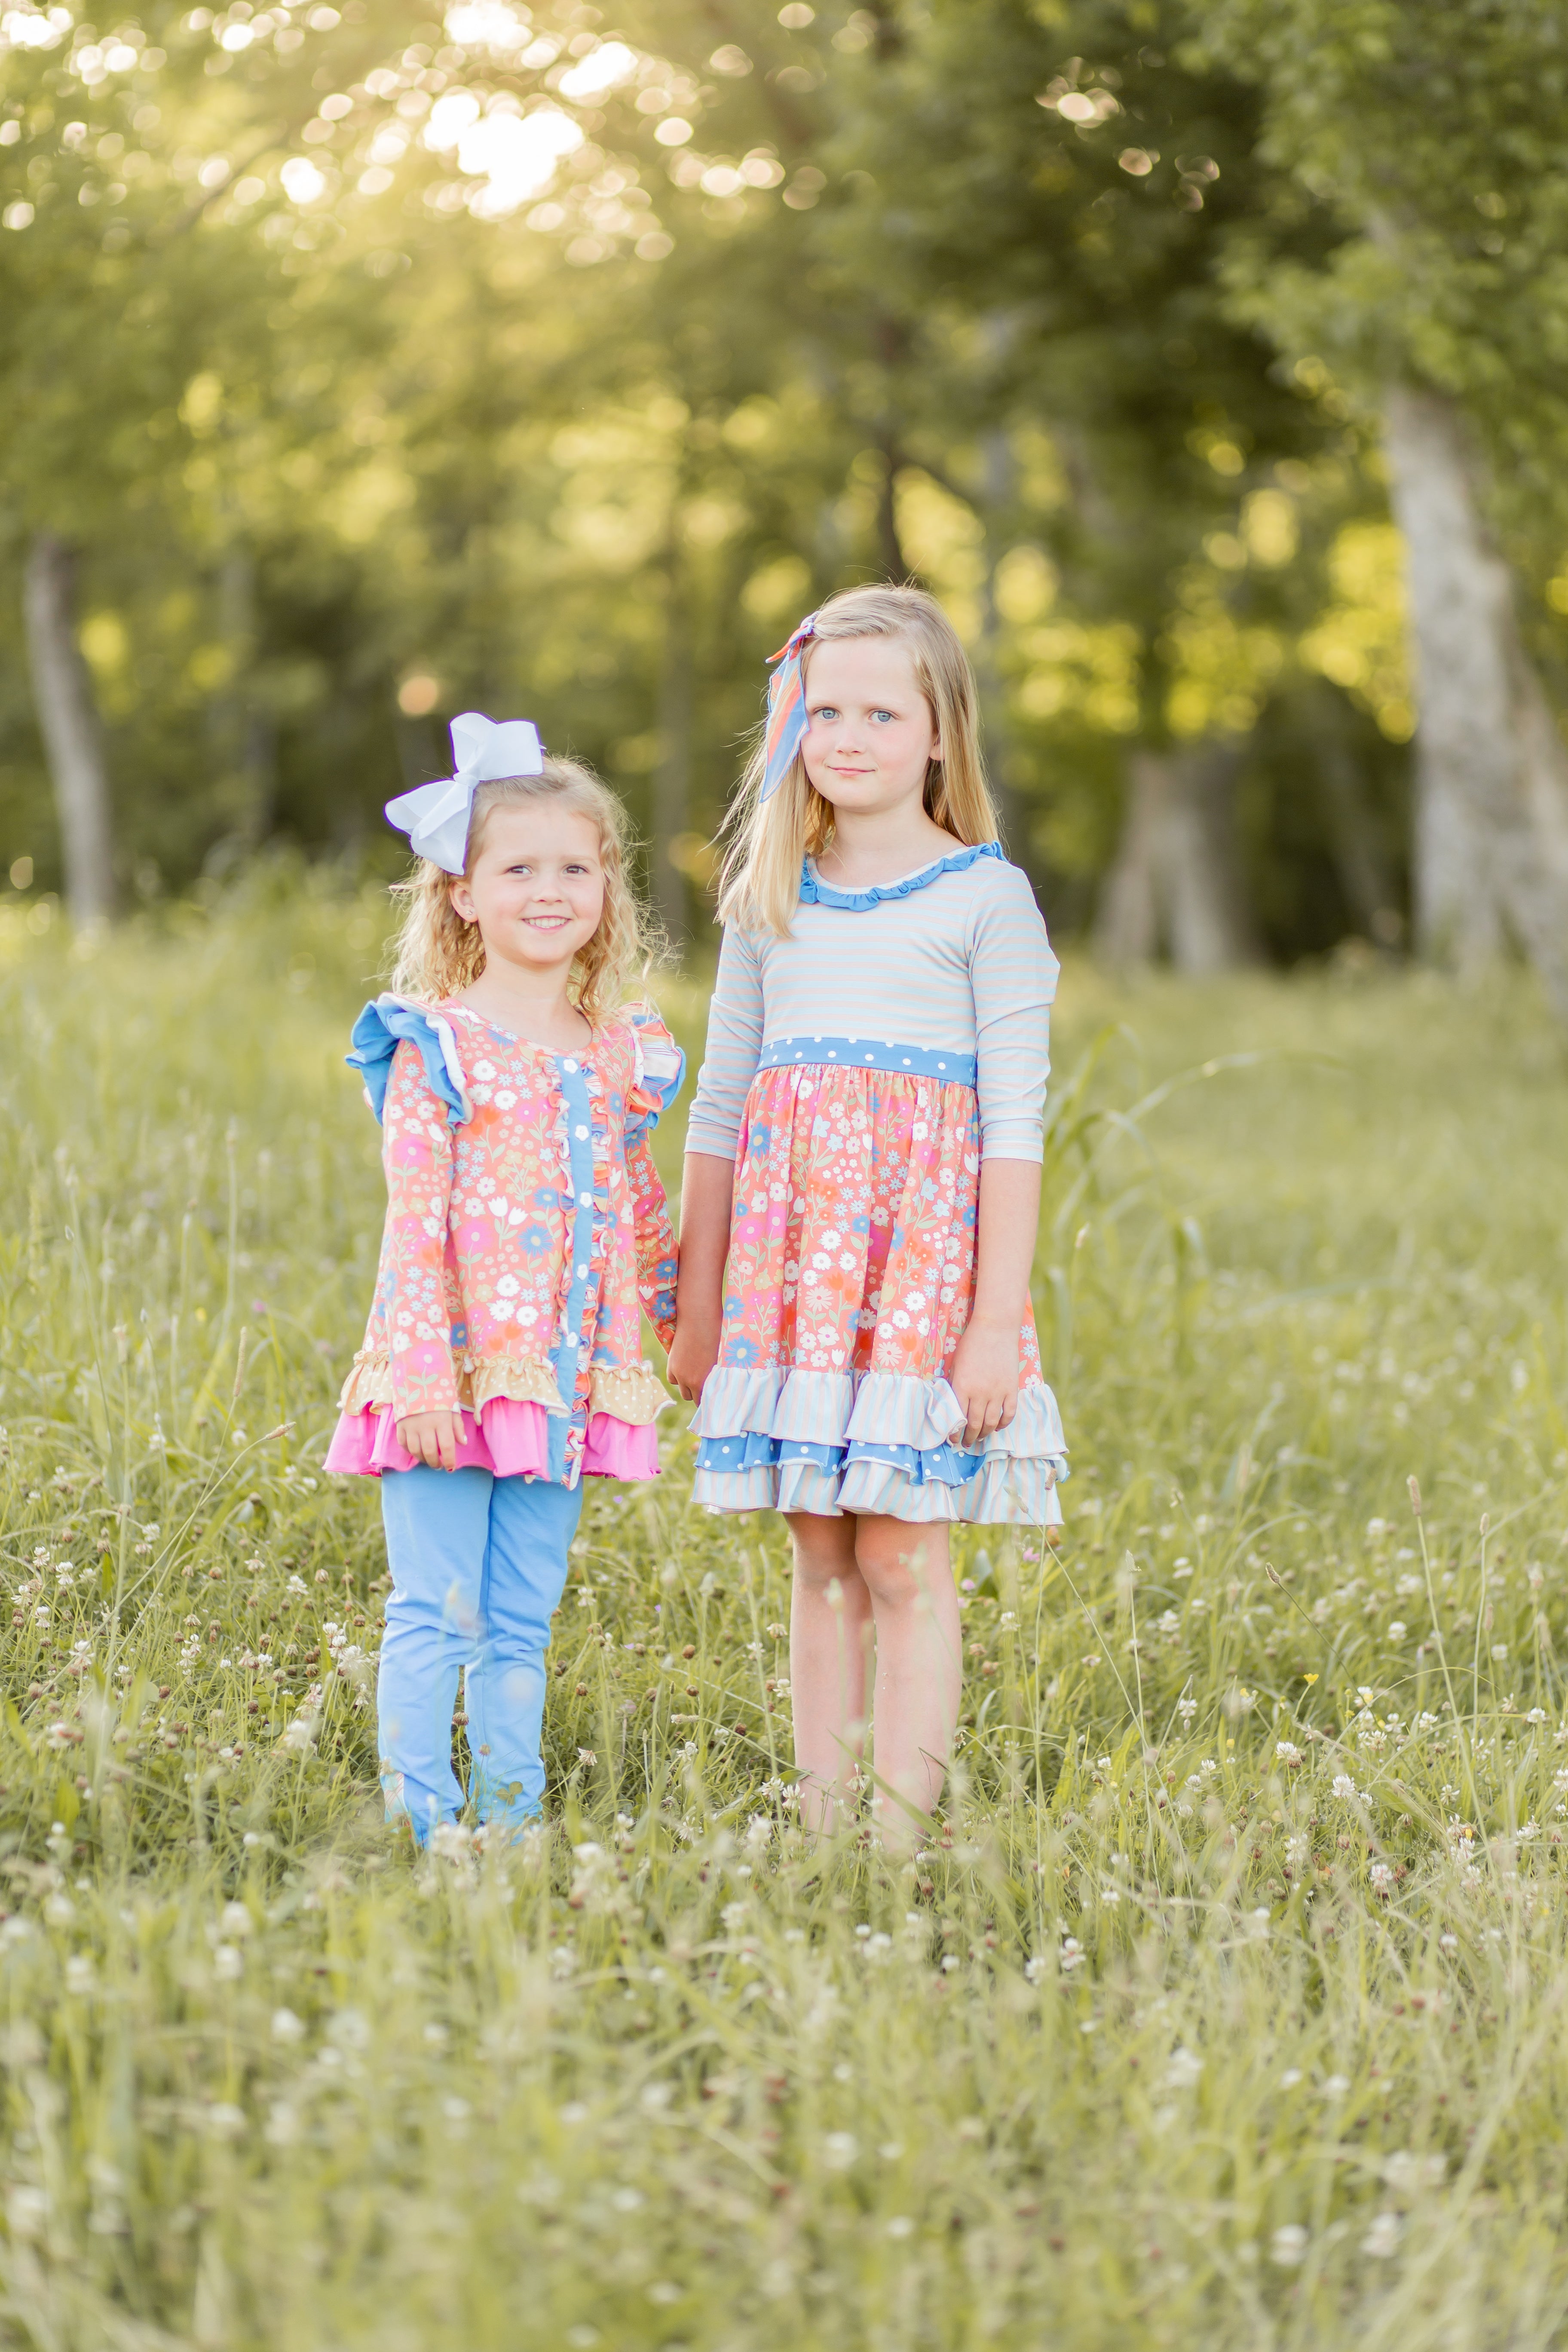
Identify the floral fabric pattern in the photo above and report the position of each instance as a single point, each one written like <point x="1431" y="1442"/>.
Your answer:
<point x="501" y="1274"/>
<point x="852" y="1247"/>
<point x="849" y="1282"/>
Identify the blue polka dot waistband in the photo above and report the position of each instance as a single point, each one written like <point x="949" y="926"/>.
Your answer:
<point x="870" y="1054"/>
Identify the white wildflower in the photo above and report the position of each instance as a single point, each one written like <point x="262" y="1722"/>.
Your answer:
<point x="1406" y="2173"/>
<point x="1383" y="2239"/>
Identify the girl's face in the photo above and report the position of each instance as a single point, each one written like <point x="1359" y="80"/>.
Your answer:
<point x="537" y="888"/>
<point x="871" y="734"/>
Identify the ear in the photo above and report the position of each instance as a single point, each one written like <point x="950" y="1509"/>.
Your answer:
<point x="462" y="899"/>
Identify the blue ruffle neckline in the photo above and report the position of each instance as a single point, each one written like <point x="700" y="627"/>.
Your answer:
<point x="815" y="892"/>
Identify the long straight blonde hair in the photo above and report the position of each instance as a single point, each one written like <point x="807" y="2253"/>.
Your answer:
<point x="437" y="954"/>
<point x="759" y="884"/>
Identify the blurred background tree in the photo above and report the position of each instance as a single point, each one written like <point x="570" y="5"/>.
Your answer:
<point x="366" y="365"/>
<point x="1436" y="141"/>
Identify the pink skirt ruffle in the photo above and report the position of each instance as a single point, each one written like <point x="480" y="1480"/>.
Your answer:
<point x="505" y="1436"/>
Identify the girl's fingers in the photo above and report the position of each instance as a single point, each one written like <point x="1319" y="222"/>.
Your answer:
<point x="986" y="1415"/>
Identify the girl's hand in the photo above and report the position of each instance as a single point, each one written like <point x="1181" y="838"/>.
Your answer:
<point x="984" y="1378"/>
<point x="693" y="1352"/>
<point x="699" y="1282"/>
<point x="431" y="1438"/>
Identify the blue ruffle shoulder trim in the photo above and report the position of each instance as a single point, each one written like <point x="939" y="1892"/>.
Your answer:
<point x="377" y="1034"/>
<point x="815" y="892"/>
<point x="661" y="1068"/>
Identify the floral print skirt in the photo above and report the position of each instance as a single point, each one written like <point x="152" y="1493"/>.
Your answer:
<point x="849" y="1282"/>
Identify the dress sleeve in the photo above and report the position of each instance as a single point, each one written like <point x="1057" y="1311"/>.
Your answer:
<point x="655" y="1239"/>
<point x="418" y="1154"/>
<point x="660" y="1068"/>
<point x="1014" y="975"/>
<point x="734" y="1048"/>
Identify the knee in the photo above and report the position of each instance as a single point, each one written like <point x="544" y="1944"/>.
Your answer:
<point x="454" y="1612"/>
<point x="516" y="1634"/>
<point x="823" y="1553"/>
<point x="896" y="1562"/>
<point x="520" y="1684"/>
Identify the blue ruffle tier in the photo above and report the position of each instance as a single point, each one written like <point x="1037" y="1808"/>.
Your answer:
<point x="828" y="1443"/>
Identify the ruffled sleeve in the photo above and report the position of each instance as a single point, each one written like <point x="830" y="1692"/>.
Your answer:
<point x="384" y="1025"/>
<point x="660" y="1069"/>
<point x="659" y="1073"/>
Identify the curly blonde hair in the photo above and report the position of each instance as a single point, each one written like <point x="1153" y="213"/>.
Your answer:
<point x="437" y="954"/>
<point x="760" y="882"/>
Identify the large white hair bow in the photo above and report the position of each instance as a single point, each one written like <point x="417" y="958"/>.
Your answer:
<point x="436" y="816"/>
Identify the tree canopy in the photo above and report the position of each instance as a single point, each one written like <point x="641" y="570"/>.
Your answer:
<point x="376" y="365"/>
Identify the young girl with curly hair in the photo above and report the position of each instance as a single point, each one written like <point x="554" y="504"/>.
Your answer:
<point x="526" y="1229"/>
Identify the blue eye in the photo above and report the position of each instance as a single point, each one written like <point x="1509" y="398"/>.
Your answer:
<point x="824" y="710"/>
<point x="883" y="714"/>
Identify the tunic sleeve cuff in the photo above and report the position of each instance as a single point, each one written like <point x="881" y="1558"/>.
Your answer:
<point x="721" y="1142"/>
<point x="1012" y="1139"/>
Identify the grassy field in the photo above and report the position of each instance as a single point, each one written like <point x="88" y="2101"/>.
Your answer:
<point x="1229" y="2005"/>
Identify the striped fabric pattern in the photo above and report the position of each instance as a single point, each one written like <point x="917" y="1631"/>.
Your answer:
<point x="951" y="961"/>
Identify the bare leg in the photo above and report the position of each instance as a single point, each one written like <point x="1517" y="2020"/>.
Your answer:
<point x="907" y="1570"/>
<point x="829" y="1646"/>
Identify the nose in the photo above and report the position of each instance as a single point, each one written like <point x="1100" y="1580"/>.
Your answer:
<point x="848" y="735"/>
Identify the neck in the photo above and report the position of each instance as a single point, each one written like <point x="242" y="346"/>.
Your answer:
<point x="881" y="845"/>
<point x="531" y="1002"/>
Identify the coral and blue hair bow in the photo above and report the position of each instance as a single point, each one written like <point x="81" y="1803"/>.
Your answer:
<point x="787" y="718"/>
<point x="436" y="816"/>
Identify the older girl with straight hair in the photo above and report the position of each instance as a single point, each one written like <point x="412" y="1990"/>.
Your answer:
<point x="862" y="1183"/>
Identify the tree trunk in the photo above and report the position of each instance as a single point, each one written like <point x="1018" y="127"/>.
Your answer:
<point x="1176" y="883"/>
<point x="1491" y="773"/>
<point x="672" y="775"/>
<point x="67" y="721"/>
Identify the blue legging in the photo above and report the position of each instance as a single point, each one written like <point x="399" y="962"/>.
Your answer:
<point x="479" y="1564"/>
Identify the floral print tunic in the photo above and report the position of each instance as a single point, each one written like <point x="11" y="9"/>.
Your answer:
<point x="526" y="1224"/>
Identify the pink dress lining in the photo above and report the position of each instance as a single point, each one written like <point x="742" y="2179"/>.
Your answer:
<point x="506" y="1436"/>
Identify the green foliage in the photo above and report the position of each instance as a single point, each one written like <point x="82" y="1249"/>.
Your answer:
<point x="341" y="413"/>
<point x="1168" y="2036"/>
<point x="1429" y="148"/>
